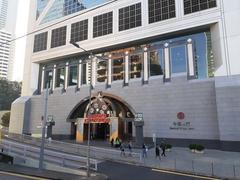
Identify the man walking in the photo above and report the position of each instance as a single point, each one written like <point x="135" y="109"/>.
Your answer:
<point x="163" y="147"/>
<point x="157" y="152"/>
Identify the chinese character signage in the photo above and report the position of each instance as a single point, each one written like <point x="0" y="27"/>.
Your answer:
<point x="180" y="124"/>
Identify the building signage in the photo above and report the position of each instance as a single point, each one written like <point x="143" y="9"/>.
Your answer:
<point x="181" y="124"/>
<point x="97" y="118"/>
<point x="139" y="117"/>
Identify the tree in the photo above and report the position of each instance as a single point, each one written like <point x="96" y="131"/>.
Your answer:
<point x="5" y="119"/>
<point x="9" y="91"/>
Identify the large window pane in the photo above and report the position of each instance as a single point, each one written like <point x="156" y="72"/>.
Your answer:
<point x="60" y="77"/>
<point x="156" y="62"/>
<point x="102" y="71"/>
<point x="48" y="79"/>
<point x="191" y="6"/>
<point x="117" y="69"/>
<point x="84" y="74"/>
<point x="135" y="66"/>
<point x="73" y="73"/>
<point x="178" y="59"/>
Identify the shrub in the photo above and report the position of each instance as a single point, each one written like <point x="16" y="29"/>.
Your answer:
<point x="168" y="146"/>
<point x="5" y="119"/>
<point x="200" y="147"/>
<point x="192" y="146"/>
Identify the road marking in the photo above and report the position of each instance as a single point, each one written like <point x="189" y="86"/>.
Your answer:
<point x="21" y="175"/>
<point x="184" y="174"/>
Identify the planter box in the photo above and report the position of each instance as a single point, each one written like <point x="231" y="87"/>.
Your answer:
<point x="168" y="150"/>
<point x="199" y="152"/>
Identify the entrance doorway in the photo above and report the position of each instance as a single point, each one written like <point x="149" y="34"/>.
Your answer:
<point x="98" y="131"/>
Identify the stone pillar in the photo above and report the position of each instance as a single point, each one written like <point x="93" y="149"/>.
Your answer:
<point x="109" y="74"/>
<point x="145" y="66"/>
<point x="66" y="75"/>
<point x="93" y="68"/>
<point x="79" y="74"/>
<point x="54" y="77"/>
<point x="191" y="72"/>
<point x="166" y="62"/>
<point x="126" y="77"/>
<point x="42" y="80"/>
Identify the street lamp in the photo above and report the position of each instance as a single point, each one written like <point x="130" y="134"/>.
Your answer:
<point x="90" y="100"/>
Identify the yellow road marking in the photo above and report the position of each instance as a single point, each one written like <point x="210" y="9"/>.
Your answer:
<point x="21" y="175"/>
<point x="184" y="174"/>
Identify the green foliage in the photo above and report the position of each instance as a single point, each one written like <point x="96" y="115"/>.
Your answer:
<point x="168" y="146"/>
<point x="9" y="91"/>
<point x="192" y="146"/>
<point x="196" y="147"/>
<point x="5" y="119"/>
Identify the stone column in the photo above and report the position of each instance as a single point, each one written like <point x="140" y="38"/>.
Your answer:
<point x="145" y="66"/>
<point x="126" y="77"/>
<point x="42" y="80"/>
<point x="66" y="76"/>
<point x="93" y="68"/>
<point x="54" y="77"/>
<point x="191" y="73"/>
<point x="166" y="62"/>
<point x="79" y="74"/>
<point x="109" y="74"/>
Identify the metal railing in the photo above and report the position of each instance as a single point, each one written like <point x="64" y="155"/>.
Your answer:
<point x="24" y="152"/>
<point x="76" y="149"/>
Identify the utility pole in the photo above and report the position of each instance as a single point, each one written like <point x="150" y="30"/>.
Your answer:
<point x="41" y="158"/>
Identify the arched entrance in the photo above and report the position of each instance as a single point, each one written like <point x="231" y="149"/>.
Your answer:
<point x="117" y="121"/>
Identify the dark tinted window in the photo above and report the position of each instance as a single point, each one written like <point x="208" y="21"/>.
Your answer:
<point x="79" y="31"/>
<point x="102" y="24"/>
<point x="130" y="17"/>
<point x="58" y="37"/>
<point x="40" y="42"/>
<point x="160" y="10"/>
<point x="191" y="6"/>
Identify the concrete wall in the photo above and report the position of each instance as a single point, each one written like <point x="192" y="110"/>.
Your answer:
<point x="159" y="102"/>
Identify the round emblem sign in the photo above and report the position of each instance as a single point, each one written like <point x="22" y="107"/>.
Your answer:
<point x="180" y="115"/>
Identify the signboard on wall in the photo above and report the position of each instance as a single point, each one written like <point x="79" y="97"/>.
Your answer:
<point x="181" y="123"/>
<point x="97" y="118"/>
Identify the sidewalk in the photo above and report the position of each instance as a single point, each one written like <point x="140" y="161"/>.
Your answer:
<point x="212" y="162"/>
<point x="46" y="173"/>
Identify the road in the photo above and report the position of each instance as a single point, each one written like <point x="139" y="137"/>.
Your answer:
<point x="14" y="176"/>
<point x="117" y="171"/>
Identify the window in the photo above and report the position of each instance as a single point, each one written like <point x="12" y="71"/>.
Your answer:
<point x="135" y="66"/>
<point x="73" y="74"/>
<point x="84" y="74"/>
<point x="161" y="10"/>
<point x="118" y="69"/>
<point x="191" y="6"/>
<point x="58" y="37"/>
<point x="79" y="31"/>
<point x="130" y="17"/>
<point x="102" y="24"/>
<point x="60" y="77"/>
<point x="48" y="79"/>
<point x="102" y="71"/>
<point x="178" y="59"/>
<point x="40" y="42"/>
<point x="156" y="62"/>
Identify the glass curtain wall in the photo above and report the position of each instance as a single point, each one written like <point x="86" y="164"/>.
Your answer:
<point x="117" y="68"/>
<point x="48" y="79"/>
<point x="178" y="59"/>
<point x="156" y="62"/>
<point x="73" y="75"/>
<point x="136" y="66"/>
<point x="60" y="77"/>
<point x="102" y="71"/>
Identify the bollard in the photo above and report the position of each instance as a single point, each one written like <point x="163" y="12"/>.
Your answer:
<point x="193" y="166"/>
<point x="175" y="164"/>
<point x="212" y="169"/>
<point x="234" y="170"/>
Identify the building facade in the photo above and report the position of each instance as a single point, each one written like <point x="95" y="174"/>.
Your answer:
<point x="5" y="38"/>
<point x="157" y="68"/>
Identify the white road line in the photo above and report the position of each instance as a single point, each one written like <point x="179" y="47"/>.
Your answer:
<point x="21" y="175"/>
<point x="184" y="174"/>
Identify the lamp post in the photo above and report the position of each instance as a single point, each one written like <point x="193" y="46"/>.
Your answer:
<point x="90" y="100"/>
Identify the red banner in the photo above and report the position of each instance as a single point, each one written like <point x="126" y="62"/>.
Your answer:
<point x="97" y="118"/>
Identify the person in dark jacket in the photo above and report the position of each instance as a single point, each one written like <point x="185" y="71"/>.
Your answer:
<point x="163" y="147"/>
<point x="157" y="151"/>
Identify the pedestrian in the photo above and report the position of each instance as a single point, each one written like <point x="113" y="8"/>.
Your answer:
<point x="157" y="151"/>
<point x="130" y="148"/>
<point x="163" y="147"/>
<point x="112" y="141"/>
<point x="122" y="150"/>
<point x="144" y="151"/>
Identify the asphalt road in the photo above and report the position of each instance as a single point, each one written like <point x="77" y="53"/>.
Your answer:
<point x="15" y="176"/>
<point x="117" y="171"/>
